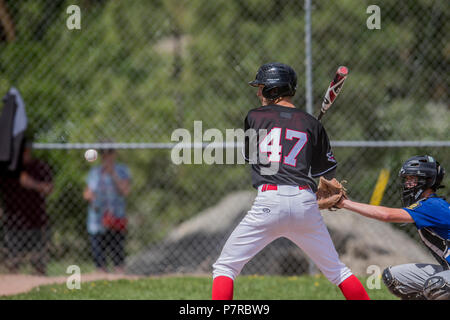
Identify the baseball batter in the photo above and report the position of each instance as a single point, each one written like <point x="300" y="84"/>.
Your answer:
<point x="421" y="178"/>
<point x="289" y="144"/>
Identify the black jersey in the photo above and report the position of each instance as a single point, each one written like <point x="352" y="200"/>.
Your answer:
<point x="284" y="145"/>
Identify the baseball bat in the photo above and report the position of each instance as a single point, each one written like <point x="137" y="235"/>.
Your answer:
<point x="333" y="90"/>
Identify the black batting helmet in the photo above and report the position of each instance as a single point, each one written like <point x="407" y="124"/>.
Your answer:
<point x="429" y="174"/>
<point x="278" y="79"/>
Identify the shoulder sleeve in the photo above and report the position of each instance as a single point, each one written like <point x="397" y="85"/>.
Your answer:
<point x="426" y="214"/>
<point x="322" y="159"/>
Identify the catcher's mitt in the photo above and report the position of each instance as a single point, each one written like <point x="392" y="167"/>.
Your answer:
<point x="330" y="193"/>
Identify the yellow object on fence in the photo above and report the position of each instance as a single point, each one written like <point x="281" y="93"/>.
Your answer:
<point x="378" y="192"/>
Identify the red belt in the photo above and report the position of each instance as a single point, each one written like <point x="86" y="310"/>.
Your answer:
<point x="267" y="187"/>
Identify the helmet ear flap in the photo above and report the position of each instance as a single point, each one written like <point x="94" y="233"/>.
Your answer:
<point x="270" y="93"/>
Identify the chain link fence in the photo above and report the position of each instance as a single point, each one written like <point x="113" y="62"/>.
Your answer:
<point x="132" y="72"/>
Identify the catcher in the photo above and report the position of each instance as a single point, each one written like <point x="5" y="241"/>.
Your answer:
<point x="421" y="177"/>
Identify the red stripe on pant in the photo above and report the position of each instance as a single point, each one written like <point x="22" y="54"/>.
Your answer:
<point x="352" y="289"/>
<point x="222" y="288"/>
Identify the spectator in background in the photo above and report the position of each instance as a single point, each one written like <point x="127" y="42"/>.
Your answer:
<point x="107" y="187"/>
<point x="25" y="221"/>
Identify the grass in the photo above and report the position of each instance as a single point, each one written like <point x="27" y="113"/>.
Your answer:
<point x="199" y="288"/>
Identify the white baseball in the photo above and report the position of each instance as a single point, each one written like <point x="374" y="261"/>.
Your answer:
<point x="90" y="155"/>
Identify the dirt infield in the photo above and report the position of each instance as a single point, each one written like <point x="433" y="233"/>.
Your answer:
<point x="19" y="283"/>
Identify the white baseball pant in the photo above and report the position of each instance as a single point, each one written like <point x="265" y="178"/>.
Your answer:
<point x="287" y="212"/>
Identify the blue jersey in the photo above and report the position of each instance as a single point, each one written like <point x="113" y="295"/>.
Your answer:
<point x="432" y="219"/>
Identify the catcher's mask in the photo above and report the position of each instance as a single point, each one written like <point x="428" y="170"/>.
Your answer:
<point x="418" y="174"/>
<point x="279" y="80"/>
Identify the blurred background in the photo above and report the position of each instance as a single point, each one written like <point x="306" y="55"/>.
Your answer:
<point x="131" y="72"/>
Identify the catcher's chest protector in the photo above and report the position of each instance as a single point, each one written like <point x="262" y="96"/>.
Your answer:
<point x="439" y="247"/>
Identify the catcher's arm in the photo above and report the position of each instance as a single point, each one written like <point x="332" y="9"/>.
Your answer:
<point x="377" y="212"/>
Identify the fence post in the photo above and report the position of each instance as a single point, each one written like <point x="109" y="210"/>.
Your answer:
<point x="308" y="58"/>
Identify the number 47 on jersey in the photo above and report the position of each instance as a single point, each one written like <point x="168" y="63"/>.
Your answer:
<point x="273" y="146"/>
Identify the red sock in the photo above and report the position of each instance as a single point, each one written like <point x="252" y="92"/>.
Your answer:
<point x="222" y="288"/>
<point x="352" y="289"/>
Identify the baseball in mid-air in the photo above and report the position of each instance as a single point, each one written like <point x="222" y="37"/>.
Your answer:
<point x="91" y="155"/>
